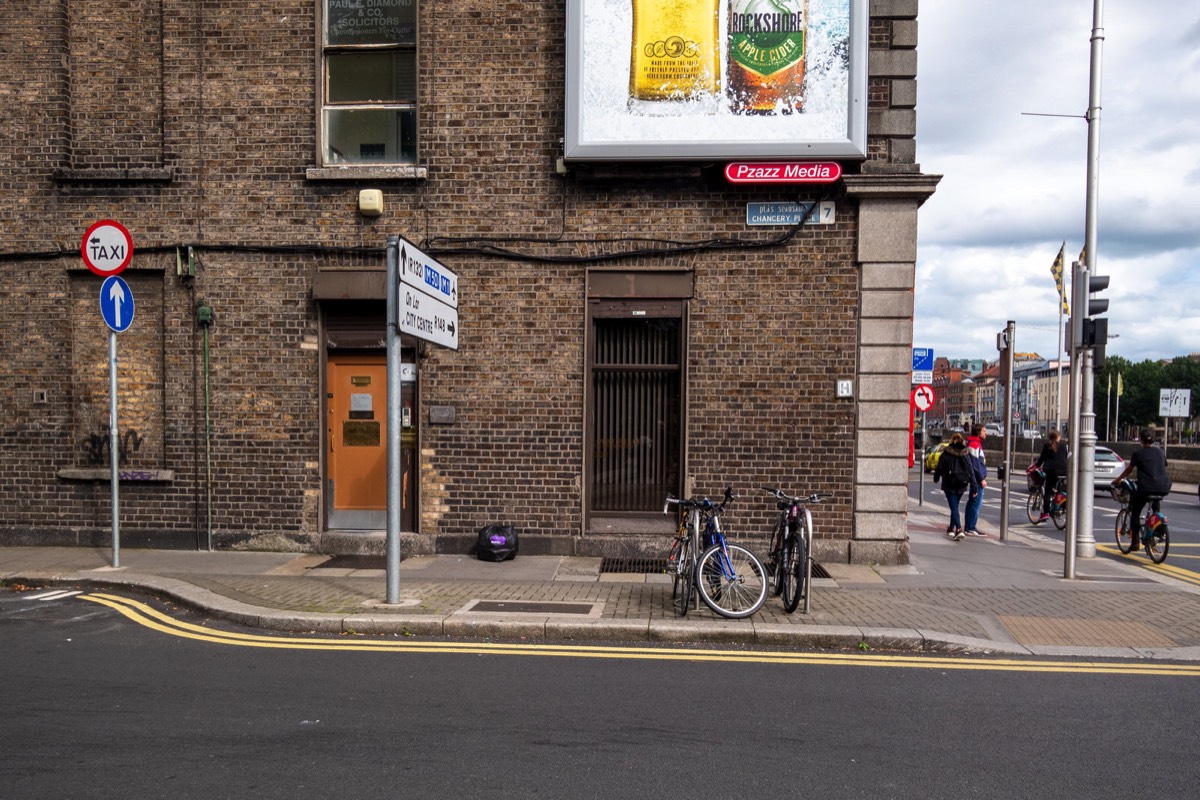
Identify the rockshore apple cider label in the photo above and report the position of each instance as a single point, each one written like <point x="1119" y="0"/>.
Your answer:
<point x="767" y="44"/>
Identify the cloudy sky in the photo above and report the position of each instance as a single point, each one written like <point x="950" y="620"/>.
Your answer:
<point x="1014" y="186"/>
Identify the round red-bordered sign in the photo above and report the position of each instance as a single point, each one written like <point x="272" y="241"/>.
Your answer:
<point x="107" y="248"/>
<point x="922" y="397"/>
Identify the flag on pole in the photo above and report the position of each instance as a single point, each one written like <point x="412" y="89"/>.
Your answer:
<point x="1056" y="269"/>
<point x="1120" y="386"/>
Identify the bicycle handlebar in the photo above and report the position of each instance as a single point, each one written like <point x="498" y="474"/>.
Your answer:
<point x="815" y="497"/>
<point x="702" y="503"/>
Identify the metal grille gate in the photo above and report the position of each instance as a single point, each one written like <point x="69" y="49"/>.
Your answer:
<point x="636" y="379"/>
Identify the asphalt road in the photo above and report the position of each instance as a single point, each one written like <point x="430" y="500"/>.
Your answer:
<point x="97" y="705"/>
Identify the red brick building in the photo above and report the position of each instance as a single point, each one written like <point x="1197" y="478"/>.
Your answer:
<point x="624" y="332"/>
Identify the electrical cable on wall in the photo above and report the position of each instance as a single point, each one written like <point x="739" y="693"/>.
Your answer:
<point x="495" y="247"/>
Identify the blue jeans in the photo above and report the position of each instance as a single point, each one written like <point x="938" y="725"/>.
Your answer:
<point x="952" y="500"/>
<point x="974" y="504"/>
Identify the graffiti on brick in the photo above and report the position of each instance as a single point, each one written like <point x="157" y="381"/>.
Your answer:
<point x="97" y="447"/>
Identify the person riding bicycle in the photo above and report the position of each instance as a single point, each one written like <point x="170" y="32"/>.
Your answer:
<point x="1152" y="479"/>
<point x="1053" y="462"/>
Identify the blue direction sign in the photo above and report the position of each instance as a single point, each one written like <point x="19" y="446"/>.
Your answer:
<point x="922" y="361"/>
<point x="116" y="303"/>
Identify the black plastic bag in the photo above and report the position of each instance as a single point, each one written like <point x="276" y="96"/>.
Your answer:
<point x="497" y="543"/>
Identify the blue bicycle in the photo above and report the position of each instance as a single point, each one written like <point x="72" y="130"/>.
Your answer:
<point x="728" y="577"/>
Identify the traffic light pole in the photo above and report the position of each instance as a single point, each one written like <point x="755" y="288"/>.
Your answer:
<point x="1080" y="539"/>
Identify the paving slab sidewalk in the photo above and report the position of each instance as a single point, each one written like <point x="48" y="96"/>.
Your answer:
<point x="971" y="596"/>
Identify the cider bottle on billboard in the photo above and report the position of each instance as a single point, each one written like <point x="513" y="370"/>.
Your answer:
<point x="768" y="42"/>
<point x="675" y="56"/>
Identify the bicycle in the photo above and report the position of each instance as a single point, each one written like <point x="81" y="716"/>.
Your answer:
<point x="727" y="577"/>
<point x="1036" y="501"/>
<point x="1155" y="534"/>
<point x="681" y="561"/>
<point x="789" y="560"/>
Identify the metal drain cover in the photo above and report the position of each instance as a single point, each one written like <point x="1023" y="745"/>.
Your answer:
<point x="647" y="566"/>
<point x="354" y="562"/>
<point x="513" y="607"/>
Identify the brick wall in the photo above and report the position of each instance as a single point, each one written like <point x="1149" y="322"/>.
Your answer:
<point x="198" y="128"/>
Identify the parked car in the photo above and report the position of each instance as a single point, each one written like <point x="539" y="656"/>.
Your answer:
<point x="931" y="458"/>
<point x="1107" y="466"/>
<point x="994" y="430"/>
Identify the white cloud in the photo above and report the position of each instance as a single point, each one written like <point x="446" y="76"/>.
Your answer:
<point x="1014" y="185"/>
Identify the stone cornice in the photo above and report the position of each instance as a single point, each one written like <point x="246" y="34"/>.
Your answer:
<point x="904" y="186"/>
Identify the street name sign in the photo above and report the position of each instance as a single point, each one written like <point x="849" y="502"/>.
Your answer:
<point x="107" y="248"/>
<point x="787" y="212"/>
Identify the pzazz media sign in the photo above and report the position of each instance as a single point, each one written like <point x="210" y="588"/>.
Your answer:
<point x="783" y="172"/>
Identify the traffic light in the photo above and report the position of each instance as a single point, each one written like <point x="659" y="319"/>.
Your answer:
<point x="1096" y="305"/>
<point x="1095" y="329"/>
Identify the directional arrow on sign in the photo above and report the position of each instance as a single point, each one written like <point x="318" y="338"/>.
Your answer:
<point x="116" y="303"/>
<point x="117" y="295"/>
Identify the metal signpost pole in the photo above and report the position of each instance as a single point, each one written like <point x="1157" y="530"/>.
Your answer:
<point x="1010" y="333"/>
<point x="1085" y="541"/>
<point x="113" y="448"/>
<point x="394" y="466"/>
<point x="921" y="462"/>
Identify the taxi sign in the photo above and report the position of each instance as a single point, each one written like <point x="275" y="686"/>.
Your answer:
<point x="107" y="248"/>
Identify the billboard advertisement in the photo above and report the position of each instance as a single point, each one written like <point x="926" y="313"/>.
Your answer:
<point x="674" y="80"/>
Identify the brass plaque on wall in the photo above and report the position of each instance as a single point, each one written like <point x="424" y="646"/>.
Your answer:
<point x="360" y="434"/>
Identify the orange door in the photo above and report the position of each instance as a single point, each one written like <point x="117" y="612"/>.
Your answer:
<point x="357" y="432"/>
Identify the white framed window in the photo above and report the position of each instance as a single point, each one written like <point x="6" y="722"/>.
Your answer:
<point x="368" y="83"/>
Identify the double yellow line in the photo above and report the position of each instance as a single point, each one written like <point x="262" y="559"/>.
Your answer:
<point x="155" y="620"/>
<point x="1165" y="568"/>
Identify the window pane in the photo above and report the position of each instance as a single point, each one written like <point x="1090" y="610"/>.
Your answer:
<point x="371" y="136"/>
<point x="371" y="22"/>
<point x="358" y="77"/>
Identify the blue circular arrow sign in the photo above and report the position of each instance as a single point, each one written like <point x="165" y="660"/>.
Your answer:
<point x="116" y="303"/>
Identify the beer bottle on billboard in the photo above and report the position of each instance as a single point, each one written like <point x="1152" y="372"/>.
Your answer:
<point x="768" y="42"/>
<point x="674" y="64"/>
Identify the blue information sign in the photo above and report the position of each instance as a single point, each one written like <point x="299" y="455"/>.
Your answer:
<point x="116" y="303"/>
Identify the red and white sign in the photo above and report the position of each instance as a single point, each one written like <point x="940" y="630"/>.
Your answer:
<point x="922" y="397"/>
<point x="107" y="248"/>
<point x="783" y="172"/>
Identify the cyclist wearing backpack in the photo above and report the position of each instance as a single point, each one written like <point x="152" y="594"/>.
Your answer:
<point x="955" y="473"/>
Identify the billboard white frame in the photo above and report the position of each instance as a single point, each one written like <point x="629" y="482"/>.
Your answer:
<point x="599" y="126"/>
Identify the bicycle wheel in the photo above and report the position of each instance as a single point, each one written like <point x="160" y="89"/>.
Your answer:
<point x="775" y="559"/>
<point x="731" y="581"/>
<point x="1033" y="506"/>
<point x="1158" y="544"/>
<point x="1058" y="513"/>
<point x="1124" y="535"/>
<point x="797" y="562"/>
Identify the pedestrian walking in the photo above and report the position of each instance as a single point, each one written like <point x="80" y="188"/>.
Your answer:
<point x="1053" y="462"/>
<point x="979" y="467"/>
<point x="955" y="474"/>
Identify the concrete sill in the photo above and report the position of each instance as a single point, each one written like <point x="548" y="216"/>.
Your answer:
<point x="360" y="172"/>
<point x="123" y="474"/>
